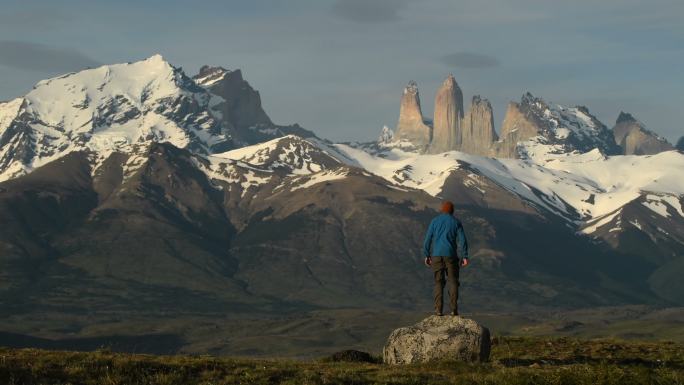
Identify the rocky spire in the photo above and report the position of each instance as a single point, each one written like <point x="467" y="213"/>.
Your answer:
<point x="625" y="117"/>
<point x="386" y="135"/>
<point x="478" y="128"/>
<point x="448" y="116"/>
<point x="242" y="107"/>
<point x="410" y="125"/>
<point x="635" y="139"/>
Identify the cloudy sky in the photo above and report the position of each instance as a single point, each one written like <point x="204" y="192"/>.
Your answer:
<point x="338" y="66"/>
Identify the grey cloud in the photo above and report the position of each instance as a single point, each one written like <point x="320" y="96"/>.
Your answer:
<point x="470" y="60"/>
<point x="42" y="58"/>
<point x="369" y="11"/>
<point x="43" y="18"/>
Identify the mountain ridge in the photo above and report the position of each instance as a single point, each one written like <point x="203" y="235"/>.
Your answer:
<point x="238" y="217"/>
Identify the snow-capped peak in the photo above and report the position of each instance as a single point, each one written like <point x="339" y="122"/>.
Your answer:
<point x="209" y="76"/>
<point x="562" y="121"/>
<point x="105" y="109"/>
<point x="554" y="130"/>
<point x="157" y="57"/>
<point x="70" y="102"/>
<point x="290" y="153"/>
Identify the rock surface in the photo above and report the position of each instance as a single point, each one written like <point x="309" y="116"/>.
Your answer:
<point x="242" y="104"/>
<point x="438" y="338"/>
<point x="535" y="127"/>
<point x="478" y="128"/>
<point x="410" y="125"/>
<point x="446" y="133"/>
<point x="635" y="139"/>
<point x="516" y="127"/>
<point x="238" y="106"/>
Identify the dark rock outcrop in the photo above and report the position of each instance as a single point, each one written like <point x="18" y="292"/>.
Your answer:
<point x="352" y="356"/>
<point x="438" y="338"/>
<point x="242" y="107"/>
<point x="239" y="106"/>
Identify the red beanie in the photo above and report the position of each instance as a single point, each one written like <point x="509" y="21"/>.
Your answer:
<point x="447" y="207"/>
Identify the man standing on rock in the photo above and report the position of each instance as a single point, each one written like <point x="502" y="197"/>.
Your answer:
<point x="443" y="237"/>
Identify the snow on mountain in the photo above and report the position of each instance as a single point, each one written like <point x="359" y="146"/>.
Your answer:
<point x="578" y="187"/>
<point x="535" y="129"/>
<point x="320" y="177"/>
<point x="233" y="172"/>
<point x="291" y="153"/>
<point x="211" y="75"/>
<point x="289" y="162"/>
<point x="566" y="166"/>
<point x="620" y="179"/>
<point x="110" y="108"/>
<point x="564" y="121"/>
<point x="594" y="224"/>
<point x="9" y="111"/>
<point x="386" y="135"/>
<point x="124" y="108"/>
<point x="409" y="169"/>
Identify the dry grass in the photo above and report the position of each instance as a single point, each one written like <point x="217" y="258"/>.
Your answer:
<point x="515" y="360"/>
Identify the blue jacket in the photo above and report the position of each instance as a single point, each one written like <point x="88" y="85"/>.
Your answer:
<point x="444" y="236"/>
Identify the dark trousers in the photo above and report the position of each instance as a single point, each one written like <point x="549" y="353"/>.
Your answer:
<point x="442" y="266"/>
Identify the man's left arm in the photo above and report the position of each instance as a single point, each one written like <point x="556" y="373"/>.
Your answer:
<point x="463" y="243"/>
<point x="427" y="245"/>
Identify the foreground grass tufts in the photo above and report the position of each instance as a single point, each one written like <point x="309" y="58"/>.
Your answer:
<point x="515" y="360"/>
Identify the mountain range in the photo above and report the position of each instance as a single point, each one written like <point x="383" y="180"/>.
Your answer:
<point x="134" y="194"/>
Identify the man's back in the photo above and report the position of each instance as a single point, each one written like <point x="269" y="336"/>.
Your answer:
<point x="444" y="236"/>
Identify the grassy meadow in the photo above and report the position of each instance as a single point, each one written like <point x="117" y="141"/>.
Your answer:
<point x="514" y="360"/>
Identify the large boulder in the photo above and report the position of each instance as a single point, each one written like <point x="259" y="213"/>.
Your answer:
<point x="438" y="338"/>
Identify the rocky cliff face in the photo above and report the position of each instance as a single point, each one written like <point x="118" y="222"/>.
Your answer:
<point x="680" y="144"/>
<point x="532" y="128"/>
<point x="411" y="126"/>
<point x="478" y="128"/>
<point x="517" y="126"/>
<point x="447" y="134"/>
<point x="238" y="106"/>
<point x="635" y="139"/>
<point x="535" y="128"/>
<point x="242" y="106"/>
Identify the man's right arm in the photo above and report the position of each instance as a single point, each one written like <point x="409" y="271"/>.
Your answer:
<point x="462" y="241"/>
<point x="427" y="244"/>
